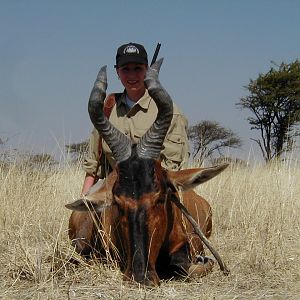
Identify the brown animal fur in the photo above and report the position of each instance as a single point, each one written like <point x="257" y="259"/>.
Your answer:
<point x="83" y="226"/>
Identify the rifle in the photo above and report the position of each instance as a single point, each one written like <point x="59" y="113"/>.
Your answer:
<point x="155" y="54"/>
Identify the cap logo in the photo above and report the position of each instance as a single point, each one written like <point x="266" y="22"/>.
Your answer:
<point x="131" y="49"/>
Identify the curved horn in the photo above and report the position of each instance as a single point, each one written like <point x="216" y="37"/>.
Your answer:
<point x="119" y="144"/>
<point x="151" y="142"/>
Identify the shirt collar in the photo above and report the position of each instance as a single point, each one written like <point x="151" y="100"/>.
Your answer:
<point x="144" y="102"/>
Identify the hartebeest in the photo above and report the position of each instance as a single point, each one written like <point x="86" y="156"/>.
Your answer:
<point x="134" y="211"/>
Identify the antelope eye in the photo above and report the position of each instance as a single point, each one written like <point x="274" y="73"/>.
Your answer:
<point x="160" y="200"/>
<point x="117" y="200"/>
<point x="119" y="207"/>
<point x="118" y="203"/>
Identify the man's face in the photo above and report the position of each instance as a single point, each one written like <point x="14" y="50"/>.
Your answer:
<point x="132" y="76"/>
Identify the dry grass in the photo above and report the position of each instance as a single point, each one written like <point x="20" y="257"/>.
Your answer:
<point x="256" y="231"/>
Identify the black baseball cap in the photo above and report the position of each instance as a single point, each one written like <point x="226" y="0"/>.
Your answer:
<point x="131" y="53"/>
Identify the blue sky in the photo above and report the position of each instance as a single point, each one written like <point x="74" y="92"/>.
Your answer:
<point x="51" y="51"/>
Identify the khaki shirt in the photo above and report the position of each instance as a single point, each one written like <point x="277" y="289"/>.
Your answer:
<point x="134" y="123"/>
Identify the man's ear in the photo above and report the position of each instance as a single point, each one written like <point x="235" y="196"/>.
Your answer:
<point x="117" y="70"/>
<point x="190" y="178"/>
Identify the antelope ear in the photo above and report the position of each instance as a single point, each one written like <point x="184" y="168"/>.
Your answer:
<point x="190" y="178"/>
<point x="88" y="205"/>
<point x="102" y="195"/>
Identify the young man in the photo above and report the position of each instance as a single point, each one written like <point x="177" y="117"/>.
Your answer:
<point x="133" y="114"/>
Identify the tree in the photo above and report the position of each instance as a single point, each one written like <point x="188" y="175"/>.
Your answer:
<point x="274" y="101"/>
<point x="77" y="150"/>
<point x="3" y="142"/>
<point x="208" y="137"/>
<point x="27" y="160"/>
<point x="37" y="161"/>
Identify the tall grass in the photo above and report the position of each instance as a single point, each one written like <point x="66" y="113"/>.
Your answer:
<point x="256" y="231"/>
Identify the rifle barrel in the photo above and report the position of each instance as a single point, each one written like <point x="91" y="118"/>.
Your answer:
<point x="155" y="53"/>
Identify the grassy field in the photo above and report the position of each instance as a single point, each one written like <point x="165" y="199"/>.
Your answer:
<point x="256" y="231"/>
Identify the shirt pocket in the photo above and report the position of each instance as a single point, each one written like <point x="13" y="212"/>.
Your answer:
<point x="173" y="147"/>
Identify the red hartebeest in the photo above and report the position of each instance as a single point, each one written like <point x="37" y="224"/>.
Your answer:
<point x="135" y="209"/>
